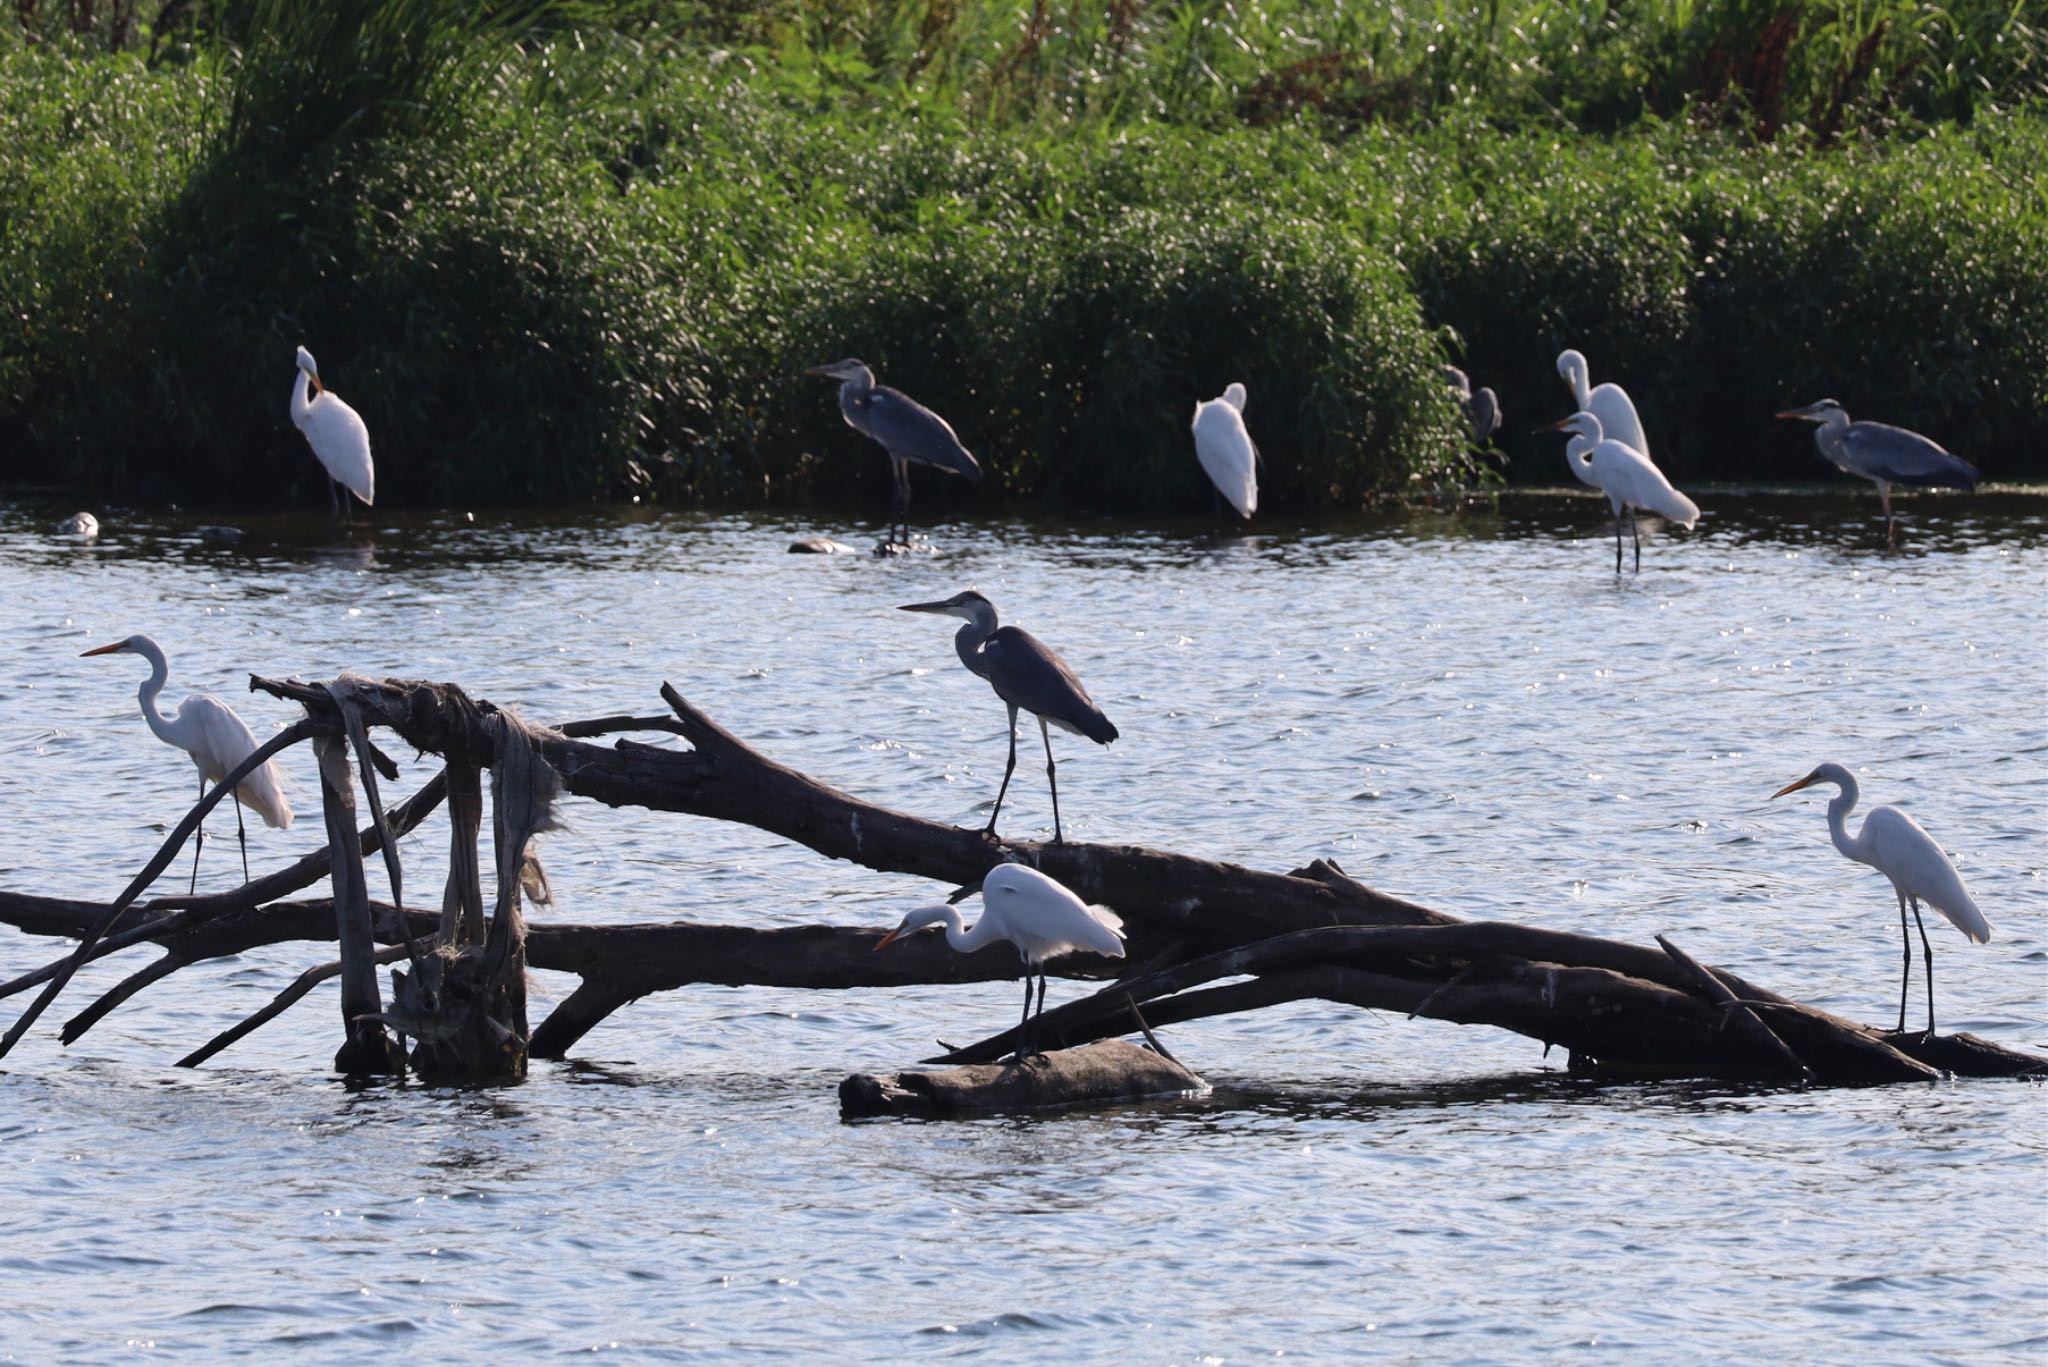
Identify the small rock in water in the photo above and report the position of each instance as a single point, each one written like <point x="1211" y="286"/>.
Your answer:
<point x="220" y="536"/>
<point x="80" y="524"/>
<point x="819" y="545"/>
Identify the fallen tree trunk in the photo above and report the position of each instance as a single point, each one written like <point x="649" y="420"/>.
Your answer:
<point x="1094" y="1074"/>
<point x="1193" y="924"/>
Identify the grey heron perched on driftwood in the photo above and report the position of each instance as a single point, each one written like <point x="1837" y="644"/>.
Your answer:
<point x="1482" y="408"/>
<point x="1026" y="674"/>
<point x="1883" y="454"/>
<point x="906" y="429"/>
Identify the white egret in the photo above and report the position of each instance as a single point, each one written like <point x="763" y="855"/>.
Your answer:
<point x="1898" y="847"/>
<point x="1883" y="454"/>
<point x="208" y="730"/>
<point x="906" y="429"/>
<point x="1035" y="913"/>
<point x="336" y="433"/>
<point x="1608" y="402"/>
<point x="1226" y="450"/>
<point x="1626" y="476"/>
<point x="81" y="525"/>
<point x="1025" y="673"/>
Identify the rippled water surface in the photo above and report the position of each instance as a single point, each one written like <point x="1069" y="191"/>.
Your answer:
<point x="1468" y="710"/>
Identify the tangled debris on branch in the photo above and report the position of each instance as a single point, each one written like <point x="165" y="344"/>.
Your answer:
<point x="1207" y="938"/>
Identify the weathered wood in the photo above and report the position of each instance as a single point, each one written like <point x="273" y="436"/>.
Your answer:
<point x="1736" y="1009"/>
<point x="1102" y="1073"/>
<point x="365" y="1047"/>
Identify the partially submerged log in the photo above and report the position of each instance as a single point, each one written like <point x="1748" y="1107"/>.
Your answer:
<point x="1205" y="938"/>
<point x="1105" y="1072"/>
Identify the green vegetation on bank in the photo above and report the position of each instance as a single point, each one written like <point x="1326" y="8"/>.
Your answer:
<point x="549" y="257"/>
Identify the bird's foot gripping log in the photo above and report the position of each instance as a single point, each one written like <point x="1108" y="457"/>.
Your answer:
<point x="1192" y="925"/>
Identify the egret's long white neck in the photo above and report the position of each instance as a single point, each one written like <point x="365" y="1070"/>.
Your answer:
<point x="1838" y="816"/>
<point x="962" y="937"/>
<point x="159" y="673"/>
<point x="302" y="406"/>
<point x="1582" y="392"/>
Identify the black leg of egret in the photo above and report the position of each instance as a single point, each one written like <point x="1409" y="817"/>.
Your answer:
<point x="1038" y="1016"/>
<point x="198" y="842"/>
<point x="1928" y="951"/>
<point x="1617" y="540"/>
<point x="1008" y="769"/>
<point x="1906" y="968"/>
<point x="1024" y="1021"/>
<point x="333" y="502"/>
<point x="1050" y="781"/>
<point x="1636" y="537"/>
<point x="242" y="837"/>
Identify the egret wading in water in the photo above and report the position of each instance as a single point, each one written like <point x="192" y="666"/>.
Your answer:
<point x="1482" y="408"/>
<point x="906" y="429"/>
<point x="1033" y="912"/>
<point x="1608" y="402"/>
<point x="1883" y="454"/>
<point x="1898" y="847"/>
<point x="340" y="441"/>
<point x="1027" y="675"/>
<point x="1226" y="450"/>
<point x="208" y="730"/>
<point x="1625" y="475"/>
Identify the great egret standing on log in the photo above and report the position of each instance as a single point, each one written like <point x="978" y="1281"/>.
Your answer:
<point x="1608" y="402"/>
<point x="1627" y="476"/>
<point x="1026" y="674"/>
<point x="1898" y="847"/>
<point x="1035" y="913"/>
<point x="1883" y="454"/>
<point x="337" y="435"/>
<point x="208" y="730"/>
<point x="906" y="429"/>
<point x="1226" y="450"/>
<point x="1482" y="407"/>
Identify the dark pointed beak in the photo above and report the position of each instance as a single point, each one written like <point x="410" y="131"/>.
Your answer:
<point x="922" y="607"/>
<point x="1557" y="426"/>
<point x="824" y="372"/>
<point x="100" y="650"/>
<point x="1791" y="413"/>
<point x="1793" y="787"/>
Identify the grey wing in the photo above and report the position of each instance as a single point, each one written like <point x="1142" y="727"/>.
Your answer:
<point x="1026" y="673"/>
<point x="1880" y="451"/>
<point x="1485" y="411"/>
<point x="909" y="429"/>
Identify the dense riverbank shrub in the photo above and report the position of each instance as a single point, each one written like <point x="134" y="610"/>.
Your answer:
<point x="603" y="265"/>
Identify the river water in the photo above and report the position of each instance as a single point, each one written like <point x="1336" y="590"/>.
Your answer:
<point x="1467" y="709"/>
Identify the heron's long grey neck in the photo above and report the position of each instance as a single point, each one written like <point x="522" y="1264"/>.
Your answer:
<point x="967" y="641"/>
<point x="1831" y="436"/>
<point x="854" y="392"/>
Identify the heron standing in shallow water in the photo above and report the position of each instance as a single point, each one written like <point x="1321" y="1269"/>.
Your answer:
<point x="1883" y="454"/>
<point x="1026" y="675"/>
<point x="1629" y="478"/>
<point x="1037" y="914"/>
<point x="906" y="429"/>
<point x="1898" y="847"/>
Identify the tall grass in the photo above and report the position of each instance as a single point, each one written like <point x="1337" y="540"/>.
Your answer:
<point x="550" y="263"/>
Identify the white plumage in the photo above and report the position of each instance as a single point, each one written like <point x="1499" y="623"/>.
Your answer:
<point x="1898" y="847"/>
<point x="1033" y="912"/>
<point x="335" y="431"/>
<point x="216" y="739"/>
<point x="1225" y="448"/>
<point x="1627" y="476"/>
<point x="1608" y="402"/>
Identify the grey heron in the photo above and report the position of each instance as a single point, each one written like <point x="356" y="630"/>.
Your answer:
<point x="1900" y="848"/>
<point x="1482" y="408"/>
<point x="1026" y="675"/>
<point x="1226" y="450"/>
<point x="337" y="435"/>
<point x="1608" y="402"/>
<point x="1037" y="914"/>
<point x="906" y="429"/>
<point x="1883" y="454"/>
<point x="1628" y="477"/>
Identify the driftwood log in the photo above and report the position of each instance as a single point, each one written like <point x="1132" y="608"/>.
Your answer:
<point x="1205" y="938"/>
<point x="1106" y="1071"/>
